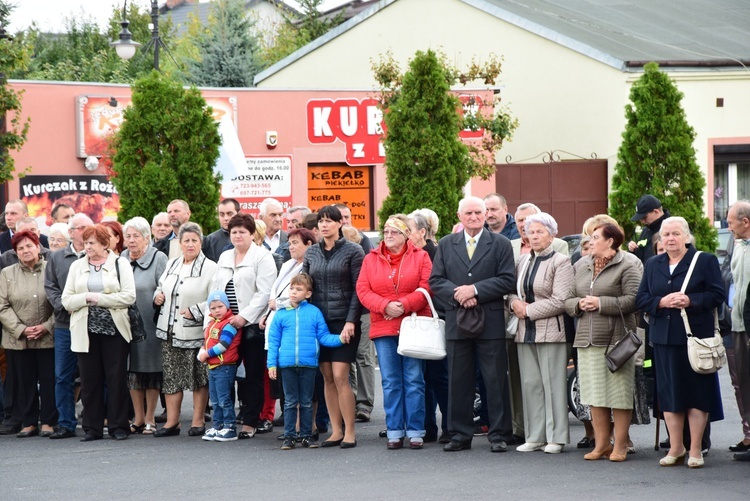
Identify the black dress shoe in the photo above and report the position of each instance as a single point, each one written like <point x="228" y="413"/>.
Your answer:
<point x="665" y="444"/>
<point x="165" y="431"/>
<point x="586" y="443"/>
<point x="456" y="445"/>
<point x="8" y="429"/>
<point x="444" y="438"/>
<point x="120" y="435"/>
<point x="430" y="438"/>
<point x="499" y="446"/>
<point x="90" y="437"/>
<point x="742" y="456"/>
<point x="332" y="443"/>
<point x="740" y="447"/>
<point x="46" y="433"/>
<point x="161" y="418"/>
<point x="196" y="431"/>
<point x="31" y="433"/>
<point x="62" y="432"/>
<point x="383" y="433"/>
<point x="348" y="445"/>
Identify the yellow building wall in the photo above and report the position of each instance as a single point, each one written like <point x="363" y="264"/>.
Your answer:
<point x="567" y="103"/>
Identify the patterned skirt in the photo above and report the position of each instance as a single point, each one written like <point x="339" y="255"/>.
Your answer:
<point x="145" y="380"/>
<point x="182" y="370"/>
<point x="601" y="388"/>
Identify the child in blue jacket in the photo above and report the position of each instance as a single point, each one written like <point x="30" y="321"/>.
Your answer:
<point x="294" y="340"/>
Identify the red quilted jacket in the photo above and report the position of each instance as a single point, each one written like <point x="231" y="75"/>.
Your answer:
<point x="375" y="287"/>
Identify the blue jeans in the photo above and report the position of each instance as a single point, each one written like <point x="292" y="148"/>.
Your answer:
<point x="220" y="386"/>
<point x="66" y="363"/>
<point x="403" y="389"/>
<point x="299" y="384"/>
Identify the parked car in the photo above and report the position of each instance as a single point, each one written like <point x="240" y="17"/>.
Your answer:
<point x="726" y="242"/>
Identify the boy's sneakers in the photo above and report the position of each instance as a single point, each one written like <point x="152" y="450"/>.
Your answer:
<point x="210" y="434"/>
<point x="288" y="444"/>
<point x="309" y="442"/>
<point x="226" y="435"/>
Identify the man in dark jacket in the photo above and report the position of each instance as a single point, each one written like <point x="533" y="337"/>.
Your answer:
<point x="66" y="362"/>
<point x="215" y="243"/>
<point x="475" y="269"/>
<point x="498" y="219"/>
<point x="650" y="214"/>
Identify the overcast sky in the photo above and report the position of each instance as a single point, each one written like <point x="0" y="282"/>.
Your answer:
<point x="51" y="14"/>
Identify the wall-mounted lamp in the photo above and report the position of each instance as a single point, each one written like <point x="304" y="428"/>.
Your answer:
<point x="113" y="102"/>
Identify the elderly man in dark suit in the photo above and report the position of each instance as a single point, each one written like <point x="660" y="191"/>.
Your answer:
<point x="475" y="269"/>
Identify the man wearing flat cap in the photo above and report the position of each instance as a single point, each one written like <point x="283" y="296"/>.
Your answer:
<point x="649" y="212"/>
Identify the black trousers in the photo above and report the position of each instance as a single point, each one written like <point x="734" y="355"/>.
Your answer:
<point x="106" y="362"/>
<point x="11" y="414"/>
<point x="463" y="354"/>
<point x="252" y="396"/>
<point x="34" y="376"/>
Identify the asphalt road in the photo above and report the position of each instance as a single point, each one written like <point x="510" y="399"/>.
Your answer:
<point x="183" y="467"/>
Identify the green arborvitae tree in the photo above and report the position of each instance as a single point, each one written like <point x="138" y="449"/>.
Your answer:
<point x="166" y="149"/>
<point x="427" y="163"/>
<point x="13" y="128"/>
<point x="423" y="121"/>
<point x="228" y="51"/>
<point x="657" y="157"/>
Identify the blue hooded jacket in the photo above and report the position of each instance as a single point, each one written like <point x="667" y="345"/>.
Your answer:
<point x="295" y="336"/>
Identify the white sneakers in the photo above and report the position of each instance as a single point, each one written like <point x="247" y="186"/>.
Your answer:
<point x="537" y="446"/>
<point x="530" y="447"/>
<point x="553" y="448"/>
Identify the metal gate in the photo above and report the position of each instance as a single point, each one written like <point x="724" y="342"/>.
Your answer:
<point x="571" y="191"/>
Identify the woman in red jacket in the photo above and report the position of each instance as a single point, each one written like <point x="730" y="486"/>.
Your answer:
<point x="387" y="285"/>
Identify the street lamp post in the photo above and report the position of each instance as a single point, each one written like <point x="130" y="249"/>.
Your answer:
<point x="126" y="46"/>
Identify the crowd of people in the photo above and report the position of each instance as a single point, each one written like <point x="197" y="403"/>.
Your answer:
<point x="252" y="313"/>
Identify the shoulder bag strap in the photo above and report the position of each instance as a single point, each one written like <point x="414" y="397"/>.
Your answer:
<point x="429" y="300"/>
<point x="611" y="336"/>
<point x="683" y="313"/>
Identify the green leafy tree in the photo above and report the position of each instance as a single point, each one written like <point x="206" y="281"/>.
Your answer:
<point x="166" y="149"/>
<point x="82" y="53"/>
<point x="422" y="142"/>
<point x="228" y="51"/>
<point x="13" y="129"/>
<point x="657" y="157"/>
<point x="295" y="33"/>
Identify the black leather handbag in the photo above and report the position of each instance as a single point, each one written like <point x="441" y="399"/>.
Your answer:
<point x="625" y="347"/>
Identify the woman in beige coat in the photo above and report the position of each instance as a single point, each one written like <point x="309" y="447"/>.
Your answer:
<point x="606" y="283"/>
<point x="28" y="321"/>
<point x="544" y="280"/>
<point x="99" y="289"/>
<point x="181" y="294"/>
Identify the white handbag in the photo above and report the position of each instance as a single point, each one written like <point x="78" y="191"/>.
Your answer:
<point x="422" y="337"/>
<point x="706" y="355"/>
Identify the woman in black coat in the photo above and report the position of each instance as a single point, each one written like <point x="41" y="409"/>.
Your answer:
<point x="681" y="390"/>
<point x="334" y="265"/>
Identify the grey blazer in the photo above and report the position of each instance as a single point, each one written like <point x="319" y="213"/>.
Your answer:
<point x="491" y="270"/>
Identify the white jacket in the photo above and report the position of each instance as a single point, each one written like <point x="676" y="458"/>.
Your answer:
<point x="116" y="296"/>
<point x="253" y="279"/>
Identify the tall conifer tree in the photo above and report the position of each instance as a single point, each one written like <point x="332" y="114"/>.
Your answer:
<point x="657" y="157"/>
